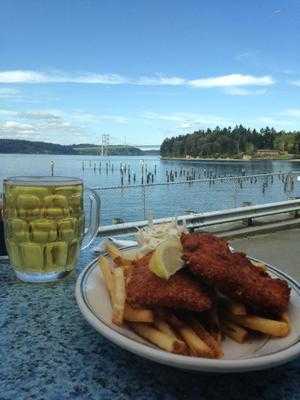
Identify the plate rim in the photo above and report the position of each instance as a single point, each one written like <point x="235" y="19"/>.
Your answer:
<point x="181" y="361"/>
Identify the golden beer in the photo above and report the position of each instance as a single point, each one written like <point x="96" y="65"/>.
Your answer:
<point x="44" y="225"/>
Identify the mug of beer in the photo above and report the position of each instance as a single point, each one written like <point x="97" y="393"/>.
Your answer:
<point x="44" y="225"/>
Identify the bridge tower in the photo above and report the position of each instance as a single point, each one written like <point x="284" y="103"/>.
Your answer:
<point x="105" y="144"/>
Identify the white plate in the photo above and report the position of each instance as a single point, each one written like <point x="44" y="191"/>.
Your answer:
<point x="94" y="303"/>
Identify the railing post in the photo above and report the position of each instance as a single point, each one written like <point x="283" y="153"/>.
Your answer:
<point x="248" y="221"/>
<point x="144" y="200"/>
<point x="235" y="193"/>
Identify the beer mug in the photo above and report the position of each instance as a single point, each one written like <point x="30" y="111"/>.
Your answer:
<point x="44" y="225"/>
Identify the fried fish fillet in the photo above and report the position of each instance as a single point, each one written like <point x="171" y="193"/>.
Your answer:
<point x="181" y="291"/>
<point x="210" y="258"/>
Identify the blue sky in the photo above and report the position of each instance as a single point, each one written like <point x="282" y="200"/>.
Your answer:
<point x="144" y="70"/>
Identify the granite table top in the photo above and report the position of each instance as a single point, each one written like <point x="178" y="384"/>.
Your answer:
<point x="48" y="351"/>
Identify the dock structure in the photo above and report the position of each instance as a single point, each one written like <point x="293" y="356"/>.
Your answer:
<point x="52" y="164"/>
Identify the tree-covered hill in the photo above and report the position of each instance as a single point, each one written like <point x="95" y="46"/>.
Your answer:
<point x="230" y="142"/>
<point x="30" y="147"/>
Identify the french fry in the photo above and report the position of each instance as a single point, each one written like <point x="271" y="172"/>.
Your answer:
<point x="259" y="265"/>
<point x="285" y="317"/>
<point x="122" y="262"/>
<point x="197" y="346"/>
<point x="233" y="331"/>
<point x="268" y="326"/>
<point x="112" y="250"/>
<point x="119" y="296"/>
<point x="160" y="339"/>
<point x="107" y="275"/>
<point x="127" y="268"/>
<point x="213" y="324"/>
<point x="117" y="255"/>
<point x="137" y="314"/>
<point x="234" y="307"/>
<point x="206" y="337"/>
<point x="164" y="327"/>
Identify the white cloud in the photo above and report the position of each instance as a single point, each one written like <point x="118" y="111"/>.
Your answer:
<point x="16" y="125"/>
<point x="239" y="91"/>
<point x="119" y="119"/>
<point x="53" y="125"/>
<point x="56" y="131"/>
<point x="108" y="79"/>
<point x="183" y="121"/>
<point x="39" y="125"/>
<point x="10" y="93"/>
<point x="273" y="121"/>
<point x="295" y="83"/>
<point x="16" y="130"/>
<point x="160" y="81"/>
<point x="6" y="91"/>
<point x="19" y="76"/>
<point x="231" y="80"/>
<point x="7" y="112"/>
<point x="15" y="95"/>
<point x="85" y="117"/>
<point x="39" y="115"/>
<point x="292" y="112"/>
<point x="77" y="116"/>
<point x="163" y="117"/>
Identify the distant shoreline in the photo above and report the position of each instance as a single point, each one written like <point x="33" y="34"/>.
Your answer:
<point x="18" y="146"/>
<point x="99" y="156"/>
<point x="227" y="159"/>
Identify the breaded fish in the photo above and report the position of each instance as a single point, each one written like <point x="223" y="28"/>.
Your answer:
<point x="181" y="291"/>
<point x="210" y="258"/>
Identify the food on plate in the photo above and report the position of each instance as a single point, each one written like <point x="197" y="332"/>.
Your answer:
<point x="128" y="313"/>
<point x="163" y="326"/>
<point x="212" y="321"/>
<point x="234" y="307"/>
<point x="167" y="258"/>
<point x="210" y="258"/>
<point x="234" y="331"/>
<point x="117" y="255"/>
<point x="119" y="296"/>
<point x="138" y="314"/>
<point x="268" y="326"/>
<point x="107" y="275"/>
<point x="181" y="291"/>
<point x="259" y="264"/>
<point x="188" y="306"/>
<point x="161" y="339"/>
<point x="213" y="342"/>
<point x="152" y="235"/>
<point x="197" y="346"/>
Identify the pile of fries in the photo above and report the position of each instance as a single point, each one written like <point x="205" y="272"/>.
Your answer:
<point x="198" y="335"/>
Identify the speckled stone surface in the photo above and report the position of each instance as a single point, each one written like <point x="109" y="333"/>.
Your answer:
<point x="48" y="351"/>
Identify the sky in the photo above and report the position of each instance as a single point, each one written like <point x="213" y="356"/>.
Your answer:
<point x="141" y="71"/>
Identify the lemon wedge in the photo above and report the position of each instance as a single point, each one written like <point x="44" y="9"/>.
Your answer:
<point x="166" y="259"/>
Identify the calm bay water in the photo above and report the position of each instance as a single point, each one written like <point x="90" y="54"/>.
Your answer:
<point x="134" y="203"/>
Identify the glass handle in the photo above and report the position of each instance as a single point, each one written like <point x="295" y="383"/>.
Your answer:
<point x="93" y="227"/>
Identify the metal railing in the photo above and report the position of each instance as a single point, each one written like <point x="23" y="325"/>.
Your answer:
<point x="211" y="218"/>
<point x="138" y="202"/>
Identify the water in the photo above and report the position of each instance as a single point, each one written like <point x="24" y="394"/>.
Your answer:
<point x="130" y="204"/>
